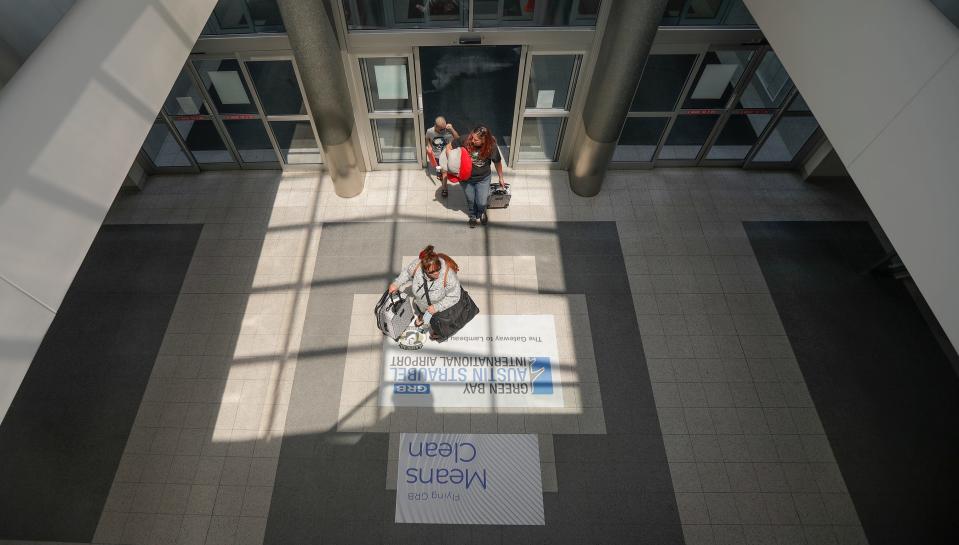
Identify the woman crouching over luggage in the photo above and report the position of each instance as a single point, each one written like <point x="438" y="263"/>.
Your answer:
<point x="440" y="300"/>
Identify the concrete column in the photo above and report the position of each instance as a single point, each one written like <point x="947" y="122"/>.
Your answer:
<point x="309" y="25"/>
<point x="630" y="30"/>
<point x="72" y="119"/>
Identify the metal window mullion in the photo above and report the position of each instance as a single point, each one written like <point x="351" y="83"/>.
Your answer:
<point x="565" y="148"/>
<point x="683" y="12"/>
<point x="691" y="80"/>
<point x="340" y="23"/>
<point x="533" y="112"/>
<point x="179" y="139"/>
<point x="470" y="21"/>
<point x="662" y="139"/>
<point x="251" y="26"/>
<point x="519" y="106"/>
<point x="288" y="117"/>
<point x="393" y="114"/>
<point x="770" y="128"/>
<point x="214" y="113"/>
<point x="724" y="11"/>
<point x="306" y="105"/>
<point x="416" y="106"/>
<point x="389" y="14"/>
<point x="811" y="143"/>
<point x="259" y="108"/>
<point x="713" y="136"/>
<point x="746" y="78"/>
<point x="574" y="74"/>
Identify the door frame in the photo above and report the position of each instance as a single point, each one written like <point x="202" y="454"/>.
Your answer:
<point x="364" y="117"/>
<point x="577" y="86"/>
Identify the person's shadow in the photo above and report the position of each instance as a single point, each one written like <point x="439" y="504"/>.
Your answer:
<point x="456" y="200"/>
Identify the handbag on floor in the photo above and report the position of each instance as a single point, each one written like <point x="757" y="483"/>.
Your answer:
<point x="394" y="312"/>
<point x="498" y="196"/>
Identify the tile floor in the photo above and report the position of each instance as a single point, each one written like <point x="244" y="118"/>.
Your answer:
<point x="747" y="455"/>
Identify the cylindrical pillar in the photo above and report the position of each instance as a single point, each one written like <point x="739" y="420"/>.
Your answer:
<point x="630" y="30"/>
<point x="317" y="53"/>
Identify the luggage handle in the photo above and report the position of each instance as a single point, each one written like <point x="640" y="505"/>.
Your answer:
<point x="390" y="296"/>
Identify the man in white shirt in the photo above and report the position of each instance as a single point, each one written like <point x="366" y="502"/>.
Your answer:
<point x="437" y="138"/>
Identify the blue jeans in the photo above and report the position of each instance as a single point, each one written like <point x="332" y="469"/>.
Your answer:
<point x="477" y="195"/>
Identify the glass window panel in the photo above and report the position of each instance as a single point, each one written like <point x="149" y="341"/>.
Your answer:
<point x="428" y="13"/>
<point x="663" y="79"/>
<point x="203" y="141"/>
<point x="769" y="85"/>
<point x="703" y="9"/>
<point x="395" y="142"/>
<point x="740" y="134"/>
<point x="717" y="78"/>
<point x="541" y="138"/>
<point x="251" y="141"/>
<point x="385" y="14"/>
<point x="405" y="11"/>
<point x="687" y="136"/>
<point x="543" y="13"/>
<point x="674" y="8"/>
<point x="232" y="16"/>
<point x="387" y="84"/>
<point x="224" y="83"/>
<point x="364" y="14"/>
<point x="184" y="97"/>
<point x="277" y="86"/>
<point x="265" y="15"/>
<point x="549" y="81"/>
<point x="485" y="11"/>
<point x="949" y="8"/>
<point x="639" y="139"/>
<point x="738" y="15"/>
<point x="786" y="139"/>
<point x="163" y="149"/>
<point x="296" y="142"/>
<point x="799" y="105"/>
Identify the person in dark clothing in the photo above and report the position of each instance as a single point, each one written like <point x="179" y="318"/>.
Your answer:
<point x="482" y="149"/>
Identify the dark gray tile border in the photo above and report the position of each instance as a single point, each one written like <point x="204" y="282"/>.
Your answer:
<point x="886" y="394"/>
<point x="614" y="488"/>
<point x="61" y="440"/>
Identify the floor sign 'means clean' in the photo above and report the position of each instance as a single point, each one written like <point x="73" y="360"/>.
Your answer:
<point x="495" y="361"/>
<point x="469" y="479"/>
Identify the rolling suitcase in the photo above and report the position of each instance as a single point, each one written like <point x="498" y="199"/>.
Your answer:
<point x="393" y="312"/>
<point x="498" y="196"/>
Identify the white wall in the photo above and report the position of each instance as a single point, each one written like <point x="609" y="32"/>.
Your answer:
<point x="882" y="78"/>
<point x="71" y="122"/>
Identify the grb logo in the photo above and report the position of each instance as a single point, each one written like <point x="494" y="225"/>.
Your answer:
<point x="405" y="388"/>
<point x="542" y="374"/>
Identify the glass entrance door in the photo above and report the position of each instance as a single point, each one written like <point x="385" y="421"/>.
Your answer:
<point x="471" y="86"/>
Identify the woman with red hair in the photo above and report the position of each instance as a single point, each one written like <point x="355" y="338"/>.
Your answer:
<point x="439" y="299"/>
<point x="481" y="147"/>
